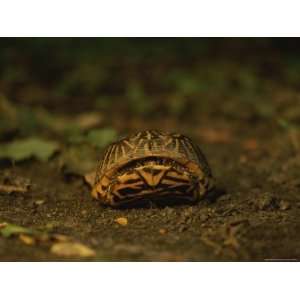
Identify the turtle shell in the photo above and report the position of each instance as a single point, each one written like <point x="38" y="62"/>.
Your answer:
<point x="164" y="148"/>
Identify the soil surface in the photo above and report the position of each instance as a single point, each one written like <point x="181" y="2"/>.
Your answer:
<point x="238" y="99"/>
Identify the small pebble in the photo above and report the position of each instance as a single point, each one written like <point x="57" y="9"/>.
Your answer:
<point x="162" y="231"/>
<point x="122" y="221"/>
<point x="39" y="202"/>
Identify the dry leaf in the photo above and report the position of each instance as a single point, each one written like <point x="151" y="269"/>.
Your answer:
<point x="68" y="249"/>
<point x="122" y="221"/>
<point x="39" y="202"/>
<point x="26" y="239"/>
<point x="8" y="189"/>
<point x="89" y="178"/>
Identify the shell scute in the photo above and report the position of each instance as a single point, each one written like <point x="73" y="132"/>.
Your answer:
<point x="134" y="153"/>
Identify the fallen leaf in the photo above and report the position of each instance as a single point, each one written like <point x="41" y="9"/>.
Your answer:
<point x="90" y="178"/>
<point x="9" y="230"/>
<point x="39" y="202"/>
<point x="122" y="221"/>
<point x="8" y="189"/>
<point x="101" y="137"/>
<point x="69" y="249"/>
<point x="27" y="148"/>
<point x="26" y="239"/>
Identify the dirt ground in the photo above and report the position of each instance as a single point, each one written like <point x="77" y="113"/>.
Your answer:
<point x="238" y="99"/>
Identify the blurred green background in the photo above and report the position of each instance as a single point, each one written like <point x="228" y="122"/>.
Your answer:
<point x="62" y="87"/>
<point x="143" y="75"/>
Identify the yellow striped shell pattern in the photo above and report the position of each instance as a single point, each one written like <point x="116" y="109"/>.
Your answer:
<point x="152" y="165"/>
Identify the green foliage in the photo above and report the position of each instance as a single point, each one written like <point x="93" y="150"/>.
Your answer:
<point x="101" y="137"/>
<point x="79" y="159"/>
<point x="85" y="78"/>
<point x="9" y="230"/>
<point x="184" y="82"/>
<point x="17" y="118"/>
<point x="28" y="148"/>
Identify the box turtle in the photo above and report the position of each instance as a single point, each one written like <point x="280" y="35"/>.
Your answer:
<point x="152" y="166"/>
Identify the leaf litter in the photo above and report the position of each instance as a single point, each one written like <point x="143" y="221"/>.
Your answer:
<point x="60" y="245"/>
<point x="71" y="249"/>
<point x="122" y="221"/>
<point x="9" y="189"/>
